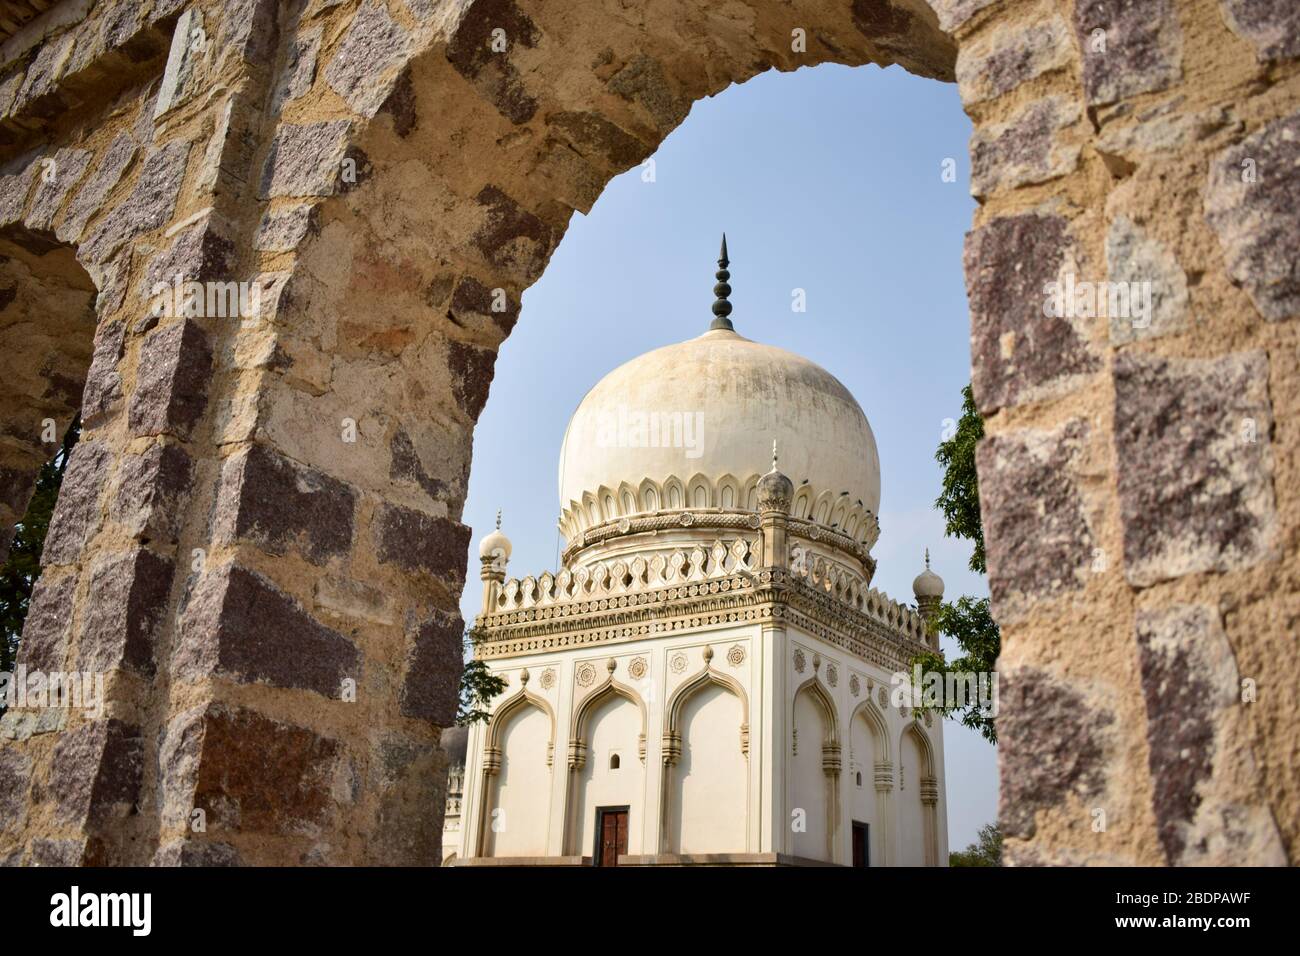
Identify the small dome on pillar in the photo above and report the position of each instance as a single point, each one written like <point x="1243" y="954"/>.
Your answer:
<point x="927" y="584"/>
<point x="775" y="490"/>
<point x="493" y="543"/>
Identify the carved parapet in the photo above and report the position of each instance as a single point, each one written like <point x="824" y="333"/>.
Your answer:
<point x="605" y="579"/>
<point x="884" y="776"/>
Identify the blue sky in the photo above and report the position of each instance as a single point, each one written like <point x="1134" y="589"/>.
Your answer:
<point x="828" y="180"/>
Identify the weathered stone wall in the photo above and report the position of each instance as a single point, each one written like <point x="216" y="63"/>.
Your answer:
<point x="263" y="513"/>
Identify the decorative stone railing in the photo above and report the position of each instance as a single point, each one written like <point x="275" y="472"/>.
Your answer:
<point x="848" y="588"/>
<point x="612" y="578"/>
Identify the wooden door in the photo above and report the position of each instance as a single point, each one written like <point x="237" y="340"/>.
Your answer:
<point x="861" y="846"/>
<point x="611" y="835"/>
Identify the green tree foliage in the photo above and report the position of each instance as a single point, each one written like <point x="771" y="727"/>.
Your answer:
<point x="985" y="851"/>
<point x="967" y="620"/>
<point x="478" y="685"/>
<point x="960" y="499"/>
<point x="22" y="569"/>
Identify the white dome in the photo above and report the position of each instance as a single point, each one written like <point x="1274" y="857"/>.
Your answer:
<point x="733" y="396"/>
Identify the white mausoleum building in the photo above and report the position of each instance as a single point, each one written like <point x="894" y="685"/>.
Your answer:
<point x="706" y="680"/>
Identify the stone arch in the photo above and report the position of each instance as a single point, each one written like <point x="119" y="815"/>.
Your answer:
<point x="809" y="757"/>
<point x="917" y="798"/>
<point x="651" y="495"/>
<point x="47" y="335"/>
<point x="607" y="689"/>
<point x="679" y="728"/>
<point x="495" y="759"/>
<point x="502" y="149"/>
<point x="581" y="762"/>
<point x="674" y="494"/>
<point x="699" y="493"/>
<point x="879" y="777"/>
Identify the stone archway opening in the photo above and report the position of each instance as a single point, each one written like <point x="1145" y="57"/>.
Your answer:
<point x="47" y="332"/>
<point x="397" y="172"/>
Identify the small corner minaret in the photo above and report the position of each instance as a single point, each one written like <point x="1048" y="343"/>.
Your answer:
<point x="494" y="553"/>
<point x="928" y="588"/>
<point x="721" y="307"/>
<point x="775" y="493"/>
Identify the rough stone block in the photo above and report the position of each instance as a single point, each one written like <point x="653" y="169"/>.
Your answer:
<point x="305" y="160"/>
<point x="54" y="184"/>
<point x="283" y="229"/>
<point x="14" y="189"/>
<point x="510" y="237"/>
<point x="103" y="382"/>
<point x="1135" y="261"/>
<point x="435" y="658"/>
<point x="240" y="626"/>
<point x="121" y="621"/>
<point x="1253" y="204"/>
<point x="177" y="86"/>
<point x="149" y="205"/>
<point x="281" y="505"/>
<point x="955" y="13"/>
<point x="171" y="384"/>
<point x="201" y="253"/>
<point x="642" y="81"/>
<point x="108" y="170"/>
<point x="1055" y="743"/>
<point x="422" y="543"/>
<point x="1129" y="47"/>
<point x="77" y="512"/>
<point x="1040" y="546"/>
<point x="365" y="67"/>
<point x="300" y="71"/>
<point x="44" y="642"/>
<point x="152" y="491"/>
<point x="15" y="782"/>
<point x="405" y="465"/>
<point x="97" y="771"/>
<point x="1028" y="148"/>
<point x="1208" y="804"/>
<point x="595" y="138"/>
<point x="471" y="54"/>
<point x="1194" y="461"/>
<point x="997" y="62"/>
<point x="249" y="773"/>
<point x="1020" y="354"/>
<point x="1272" y="25"/>
<point x="191" y="852"/>
<point x="471" y="299"/>
<point x="472" y="369"/>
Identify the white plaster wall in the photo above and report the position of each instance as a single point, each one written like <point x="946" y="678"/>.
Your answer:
<point x="518" y="815"/>
<point x="862" y="801"/>
<point x="711" y="780"/>
<point x="809" y="780"/>
<point x="613" y="729"/>
<point x="911" y="820"/>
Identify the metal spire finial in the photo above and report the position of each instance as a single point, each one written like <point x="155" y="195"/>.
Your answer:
<point x="498" y="519"/>
<point x="927" y="559"/>
<point x="721" y="307"/>
<point x="774" y="454"/>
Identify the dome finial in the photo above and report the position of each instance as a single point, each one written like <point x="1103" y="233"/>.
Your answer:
<point x="927" y="559"/>
<point x="774" y="454"/>
<point x="721" y="307"/>
<point x="499" y="526"/>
